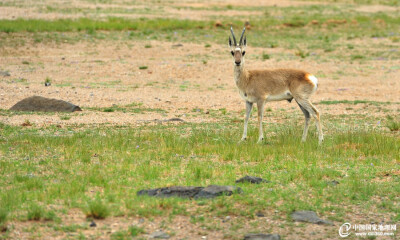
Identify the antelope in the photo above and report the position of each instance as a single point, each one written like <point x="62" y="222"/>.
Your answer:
<point x="262" y="86"/>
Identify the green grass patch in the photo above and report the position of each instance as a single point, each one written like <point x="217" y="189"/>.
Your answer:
<point x="97" y="209"/>
<point x="91" y="25"/>
<point x="393" y="125"/>
<point x="354" y="102"/>
<point x="3" y="219"/>
<point x="193" y="154"/>
<point x="130" y="108"/>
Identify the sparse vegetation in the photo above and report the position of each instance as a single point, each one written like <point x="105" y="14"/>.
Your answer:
<point x="3" y="219"/>
<point x="35" y="212"/>
<point x="393" y="125"/>
<point x="97" y="209"/>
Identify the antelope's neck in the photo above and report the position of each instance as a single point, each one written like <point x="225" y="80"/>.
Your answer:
<point x="240" y="75"/>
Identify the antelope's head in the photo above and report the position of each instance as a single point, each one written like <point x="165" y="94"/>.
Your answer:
<point x="238" y="49"/>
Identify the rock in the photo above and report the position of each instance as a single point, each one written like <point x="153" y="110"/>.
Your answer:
<point x="175" y="120"/>
<point x="46" y="84"/>
<point x="159" y="235"/>
<point x="5" y="74"/>
<point x="176" y="191"/>
<point x="260" y="214"/>
<point x="190" y="192"/>
<point x="42" y="104"/>
<point x="93" y="224"/>
<point x="333" y="183"/>
<point x="261" y="236"/>
<point x="177" y="45"/>
<point x="216" y="190"/>
<point x="252" y="179"/>
<point x="310" y="217"/>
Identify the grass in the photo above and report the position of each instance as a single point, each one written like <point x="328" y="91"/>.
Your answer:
<point x="133" y="108"/>
<point x="3" y="219"/>
<point x="86" y="24"/>
<point x="133" y="231"/>
<point x="338" y="28"/>
<point x="393" y="125"/>
<point x="35" y="212"/>
<point x="194" y="154"/>
<point x="97" y="209"/>
<point x="354" y="102"/>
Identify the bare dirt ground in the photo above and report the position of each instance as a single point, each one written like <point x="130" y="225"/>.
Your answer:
<point x="176" y="80"/>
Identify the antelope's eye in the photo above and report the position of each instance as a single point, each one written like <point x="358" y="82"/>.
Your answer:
<point x="243" y="53"/>
<point x="232" y="53"/>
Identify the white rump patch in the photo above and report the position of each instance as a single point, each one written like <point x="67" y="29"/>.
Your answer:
<point x="313" y="79"/>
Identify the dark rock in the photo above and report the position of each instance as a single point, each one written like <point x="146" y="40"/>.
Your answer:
<point x="175" y="120"/>
<point x="252" y="179"/>
<point x="93" y="224"/>
<point x="177" y="45"/>
<point x="5" y="73"/>
<point x="333" y="183"/>
<point x="260" y="214"/>
<point x="310" y="217"/>
<point x="261" y="236"/>
<point x="159" y="235"/>
<point x="42" y="104"/>
<point x="190" y="192"/>
<point x="216" y="190"/>
<point x="175" y="191"/>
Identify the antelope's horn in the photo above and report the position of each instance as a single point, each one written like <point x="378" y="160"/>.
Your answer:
<point x="241" y="37"/>
<point x="233" y="35"/>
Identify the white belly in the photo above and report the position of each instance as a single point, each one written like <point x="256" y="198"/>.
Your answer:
<point x="281" y="96"/>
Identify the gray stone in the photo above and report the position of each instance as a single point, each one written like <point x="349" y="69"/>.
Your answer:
<point x="175" y="120"/>
<point x="216" y="190"/>
<point x="333" y="183"/>
<point x="260" y="214"/>
<point x="159" y="235"/>
<point x="251" y="179"/>
<point x="42" y="104"/>
<point x="310" y="217"/>
<point x="175" y="191"/>
<point x="261" y="236"/>
<point x="177" y="45"/>
<point x="190" y="192"/>
<point x="5" y="73"/>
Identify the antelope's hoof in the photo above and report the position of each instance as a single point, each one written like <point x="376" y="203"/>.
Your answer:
<point x="260" y="140"/>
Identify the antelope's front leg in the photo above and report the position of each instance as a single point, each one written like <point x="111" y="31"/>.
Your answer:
<point x="249" y="106"/>
<point x="260" y="108"/>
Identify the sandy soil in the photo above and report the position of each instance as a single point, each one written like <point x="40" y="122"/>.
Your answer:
<point x="107" y="73"/>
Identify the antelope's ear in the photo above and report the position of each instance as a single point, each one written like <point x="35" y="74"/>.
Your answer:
<point x="230" y="42"/>
<point x="244" y="41"/>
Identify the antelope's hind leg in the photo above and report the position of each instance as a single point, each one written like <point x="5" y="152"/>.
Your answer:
<point x="260" y="108"/>
<point x="307" y="121"/>
<point x="306" y="104"/>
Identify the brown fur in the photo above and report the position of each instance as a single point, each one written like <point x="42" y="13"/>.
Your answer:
<point x="261" y="86"/>
<point x="262" y="83"/>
